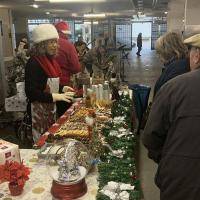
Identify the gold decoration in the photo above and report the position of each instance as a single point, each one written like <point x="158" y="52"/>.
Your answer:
<point x="71" y="133"/>
<point x="38" y="190"/>
<point x="33" y="160"/>
<point x="104" y="103"/>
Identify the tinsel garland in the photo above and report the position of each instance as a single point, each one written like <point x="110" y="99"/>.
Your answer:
<point x="117" y="169"/>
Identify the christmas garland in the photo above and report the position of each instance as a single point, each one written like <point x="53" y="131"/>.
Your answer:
<point x="121" y="168"/>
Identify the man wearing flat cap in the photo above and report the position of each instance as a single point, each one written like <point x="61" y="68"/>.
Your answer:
<point x="193" y="44"/>
<point x="172" y="132"/>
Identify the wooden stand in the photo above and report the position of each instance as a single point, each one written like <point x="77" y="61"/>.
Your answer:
<point x="68" y="192"/>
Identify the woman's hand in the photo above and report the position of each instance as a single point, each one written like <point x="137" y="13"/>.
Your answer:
<point x="67" y="96"/>
<point x="67" y="89"/>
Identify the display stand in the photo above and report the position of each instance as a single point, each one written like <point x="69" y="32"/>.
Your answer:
<point x="68" y="192"/>
<point x="123" y="61"/>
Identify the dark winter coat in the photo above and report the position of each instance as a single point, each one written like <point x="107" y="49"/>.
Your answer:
<point x="139" y="41"/>
<point x="171" y="70"/>
<point x="35" y="82"/>
<point x="172" y="137"/>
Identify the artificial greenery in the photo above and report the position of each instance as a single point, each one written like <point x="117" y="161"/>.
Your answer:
<point x="16" y="73"/>
<point x="117" y="169"/>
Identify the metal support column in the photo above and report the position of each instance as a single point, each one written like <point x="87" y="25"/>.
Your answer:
<point x="92" y="32"/>
<point x="2" y="68"/>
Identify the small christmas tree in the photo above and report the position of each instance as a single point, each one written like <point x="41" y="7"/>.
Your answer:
<point x="16" y="72"/>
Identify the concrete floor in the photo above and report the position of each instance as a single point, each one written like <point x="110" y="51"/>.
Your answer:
<point x="145" y="70"/>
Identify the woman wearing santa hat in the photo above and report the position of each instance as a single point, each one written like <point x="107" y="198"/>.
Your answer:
<point x="67" y="58"/>
<point x="42" y="76"/>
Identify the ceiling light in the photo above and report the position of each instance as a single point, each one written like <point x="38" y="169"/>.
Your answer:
<point x="74" y="15"/>
<point x="87" y="23"/>
<point x="93" y="15"/>
<point x="48" y="13"/>
<point x="113" y="14"/>
<point x="35" y="6"/>
<point x="76" y="1"/>
<point x="166" y="13"/>
<point x="94" y="22"/>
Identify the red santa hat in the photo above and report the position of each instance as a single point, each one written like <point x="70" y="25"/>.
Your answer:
<point x="63" y="27"/>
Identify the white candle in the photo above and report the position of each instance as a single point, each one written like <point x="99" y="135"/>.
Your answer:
<point x="84" y="90"/>
<point x="131" y="94"/>
<point x="90" y="80"/>
<point x="106" y="93"/>
<point x="97" y="92"/>
<point x="100" y="91"/>
<point x="93" y="88"/>
<point x="89" y="91"/>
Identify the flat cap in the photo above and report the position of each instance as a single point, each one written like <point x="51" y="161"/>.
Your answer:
<point x="193" y="41"/>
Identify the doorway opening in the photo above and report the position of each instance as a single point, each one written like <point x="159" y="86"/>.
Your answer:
<point x="145" y="29"/>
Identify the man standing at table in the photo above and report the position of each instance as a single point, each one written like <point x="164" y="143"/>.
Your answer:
<point x="67" y="58"/>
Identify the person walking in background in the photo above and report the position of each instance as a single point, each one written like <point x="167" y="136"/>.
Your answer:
<point x="174" y="56"/>
<point x="42" y="74"/>
<point x="68" y="60"/>
<point x="139" y="44"/>
<point x="172" y="134"/>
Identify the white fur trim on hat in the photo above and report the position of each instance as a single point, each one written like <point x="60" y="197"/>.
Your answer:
<point x="44" y="32"/>
<point x="67" y="32"/>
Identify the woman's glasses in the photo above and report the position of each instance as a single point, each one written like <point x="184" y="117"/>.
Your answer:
<point x="52" y="42"/>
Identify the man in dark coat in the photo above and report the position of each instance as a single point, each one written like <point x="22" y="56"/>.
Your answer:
<point x="139" y="44"/>
<point x="172" y="132"/>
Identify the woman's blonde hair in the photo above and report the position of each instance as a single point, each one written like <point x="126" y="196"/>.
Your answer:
<point x="170" y="46"/>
